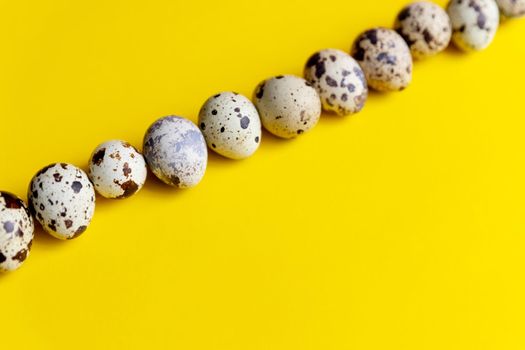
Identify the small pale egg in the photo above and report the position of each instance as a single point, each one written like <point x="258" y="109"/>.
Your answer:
<point x="338" y="79"/>
<point x="16" y="232"/>
<point x="425" y="27"/>
<point x="62" y="199"/>
<point x="511" y="8"/>
<point x="288" y="105"/>
<point x="231" y="125"/>
<point x="117" y="169"/>
<point x="175" y="151"/>
<point x="474" y="23"/>
<point x="385" y="59"/>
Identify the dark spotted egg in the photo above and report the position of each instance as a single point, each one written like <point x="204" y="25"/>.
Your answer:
<point x="474" y="23"/>
<point x="385" y="58"/>
<point x="16" y="232"/>
<point x="511" y="8"/>
<point x="231" y="125"/>
<point x="175" y="151"/>
<point x="288" y="105"/>
<point x="425" y="27"/>
<point x="62" y="199"/>
<point x="338" y="79"/>
<point x="117" y="169"/>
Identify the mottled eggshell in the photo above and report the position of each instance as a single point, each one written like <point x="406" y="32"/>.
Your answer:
<point x="288" y="105"/>
<point x="175" y="151"/>
<point x="474" y="23"/>
<point x="385" y="58"/>
<point x="425" y="27"/>
<point x="338" y="79"/>
<point x="512" y="8"/>
<point x="16" y="232"/>
<point x="231" y="125"/>
<point x="117" y="169"/>
<point x="62" y="199"/>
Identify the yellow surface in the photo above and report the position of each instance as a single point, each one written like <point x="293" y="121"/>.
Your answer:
<point x="401" y="227"/>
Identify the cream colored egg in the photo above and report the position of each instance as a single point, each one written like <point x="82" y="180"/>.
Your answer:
<point x="62" y="199"/>
<point x="230" y="124"/>
<point x="338" y="79"/>
<point x="385" y="59"/>
<point x="288" y="105"/>
<point x="474" y="23"/>
<point x="16" y="232"/>
<point x="425" y="27"/>
<point x="117" y="169"/>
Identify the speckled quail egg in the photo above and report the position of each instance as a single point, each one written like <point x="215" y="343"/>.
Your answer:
<point x="117" y="169"/>
<point x="62" y="199"/>
<point x="288" y="105"/>
<point x="175" y="151"/>
<point x="338" y="79"/>
<point x="425" y="27"/>
<point x="231" y="125"/>
<point x="474" y="23"/>
<point x="511" y="8"/>
<point x="385" y="58"/>
<point x="16" y="232"/>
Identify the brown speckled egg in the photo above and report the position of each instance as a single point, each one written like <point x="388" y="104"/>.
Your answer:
<point x="385" y="59"/>
<point x="338" y="79"/>
<point x="231" y="125"/>
<point x="62" y="199"/>
<point x="117" y="169"/>
<point x="288" y="105"/>
<point x="16" y="232"/>
<point x="425" y="27"/>
<point x="512" y="8"/>
<point x="474" y="23"/>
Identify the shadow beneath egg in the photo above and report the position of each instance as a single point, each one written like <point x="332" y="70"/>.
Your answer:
<point x="215" y="159"/>
<point x="332" y="118"/>
<point x="377" y="97"/>
<point x="269" y="140"/>
<point x="453" y="50"/>
<point x="44" y="239"/>
<point x="102" y="202"/>
<point x="156" y="186"/>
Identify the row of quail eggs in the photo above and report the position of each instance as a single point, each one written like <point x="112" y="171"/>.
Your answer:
<point x="61" y="196"/>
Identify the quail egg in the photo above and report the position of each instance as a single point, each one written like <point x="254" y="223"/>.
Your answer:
<point x="175" y="151"/>
<point x="62" y="199"/>
<point x="288" y="105"/>
<point x="511" y="8"/>
<point x="338" y="79"/>
<point x="474" y="23"/>
<point x="117" y="169"/>
<point x="425" y="27"/>
<point x="385" y="59"/>
<point x="231" y="125"/>
<point x="16" y="232"/>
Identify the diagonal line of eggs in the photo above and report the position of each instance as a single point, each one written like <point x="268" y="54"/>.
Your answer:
<point x="62" y="196"/>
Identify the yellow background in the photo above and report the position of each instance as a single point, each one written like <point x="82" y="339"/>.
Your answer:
<point x="401" y="227"/>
